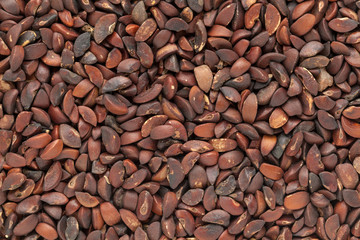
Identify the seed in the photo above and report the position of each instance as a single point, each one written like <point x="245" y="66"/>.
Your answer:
<point x="46" y="231"/>
<point x="296" y="200"/>
<point x="104" y="27"/>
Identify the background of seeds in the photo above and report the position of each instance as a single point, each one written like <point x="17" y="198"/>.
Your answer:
<point x="188" y="118"/>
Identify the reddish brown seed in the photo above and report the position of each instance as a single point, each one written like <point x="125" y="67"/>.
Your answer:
<point x="111" y="139"/>
<point x="52" y="150"/>
<point x="239" y="67"/>
<point x="249" y="108"/>
<point x="303" y="25"/>
<point x="70" y="136"/>
<point x="272" y="19"/>
<point x="52" y="177"/>
<point x="253" y="227"/>
<point x="208" y="232"/>
<point x="46" y="231"/>
<point x="86" y="199"/>
<point x="271" y="171"/>
<point x="176" y="24"/>
<point x="230" y="159"/>
<point x="347" y="175"/>
<point x="15" y="160"/>
<point x="162" y="132"/>
<point x="38" y="141"/>
<point x="343" y="25"/>
<point x="350" y="127"/>
<point x="135" y="179"/>
<point x="278" y="118"/>
<point x="109" y="213"/>
<point x="130" y="219"/>
<point x="251" y="15"/>
<point x="296" y="200"/>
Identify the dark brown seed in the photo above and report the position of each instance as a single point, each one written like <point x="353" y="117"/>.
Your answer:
<point x="176" y="24"/>
<point x="176" y="173"/>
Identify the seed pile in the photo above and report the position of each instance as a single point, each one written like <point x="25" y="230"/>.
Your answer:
<point x="186" y="119"/>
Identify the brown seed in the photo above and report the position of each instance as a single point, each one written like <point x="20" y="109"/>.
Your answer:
<point x="217" y="216"/>
<point x="38" y="141"/>
<point x="34" y="51"/>
<point x="272" y="19"/>
<point x="109" y="213"/>
<point x="162" y="132"/>
<point x="135" y="179"/>
<point x="350" y="127"/>
<point x="26" y="225"/>
<point x="15" y="160"/>
<point x="52" y="177"/>
<point x="13" y="181"/>
<point x="311" y="49"/>
<point x="203" y="77"/>
<point x="46" y="231"/>
<point x="111" y="140"/>
<point x="296" y="200"/>
<point x="86" y="199"/>
<point x="209" y="232"/>
<point x="249" y="108"/>
<point x="343" y="25"/>
<point x="16" y="57"/>
<point x="104" y="27"/>
<point x="278" y="118"/>
<point x="130" y="219"/>
<point x="70" y="136"/>
<point x="352" y="112"/>
<point x="52" y="150"/>
<point x="176" y="24"/>
<point x="271" y="171"/>
<point x="147" y="28"/>
<point x="145" y="54"/>
<point x="82" y="44"/>
<point x="252" y="14"/>
<point x="239" y="67"/>
<point x="347" y="175"/>
<point x="54" y="198"/>
<point x="303" y="25"/>
<point x="230" y="159"/>
<point x="176" y="173"/>
<point x="351" y="197"/>
<point x="253" y="227"/>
